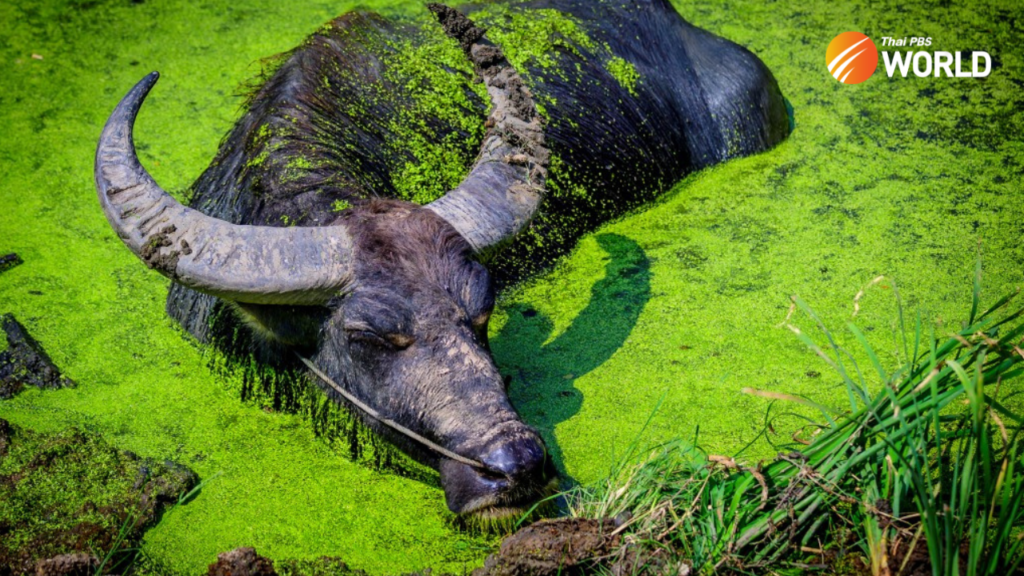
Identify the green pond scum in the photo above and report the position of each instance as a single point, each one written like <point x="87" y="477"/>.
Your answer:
<point x="678" y="305"/>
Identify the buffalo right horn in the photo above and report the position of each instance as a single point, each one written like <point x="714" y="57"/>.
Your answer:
<point x="505" y="187"/>
<point x="253" y="264"/>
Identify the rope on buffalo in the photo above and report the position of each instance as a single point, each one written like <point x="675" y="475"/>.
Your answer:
<point x="389" y="423"/>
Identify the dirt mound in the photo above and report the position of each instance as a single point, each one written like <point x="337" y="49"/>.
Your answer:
<point x="564" y="546"/>
<point x="68" y="565"/>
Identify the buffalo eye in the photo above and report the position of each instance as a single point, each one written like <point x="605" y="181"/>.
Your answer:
<point x="400" y="341"/>
<point x="368" y="337"/>
<point x="363" y="333"/>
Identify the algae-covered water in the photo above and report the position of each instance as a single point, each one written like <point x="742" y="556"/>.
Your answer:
<point x="681" y="303"/>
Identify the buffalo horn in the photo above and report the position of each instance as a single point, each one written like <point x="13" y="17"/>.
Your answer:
<point x="253" y="264"/>
<point x="505" y="186"/>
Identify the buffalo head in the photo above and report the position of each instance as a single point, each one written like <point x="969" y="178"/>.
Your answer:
<point x="391" y="298"/>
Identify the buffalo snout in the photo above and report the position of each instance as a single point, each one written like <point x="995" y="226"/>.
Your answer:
<point x="517" y="473"/>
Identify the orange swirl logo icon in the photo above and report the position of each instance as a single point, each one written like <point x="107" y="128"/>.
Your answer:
<point x="851" y="57"/>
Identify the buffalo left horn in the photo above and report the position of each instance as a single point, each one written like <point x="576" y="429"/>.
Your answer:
<point x="253" y="264"/>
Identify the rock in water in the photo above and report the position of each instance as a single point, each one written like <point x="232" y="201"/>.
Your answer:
<point x="25" y="362"/>
<point x="8" y="261"/>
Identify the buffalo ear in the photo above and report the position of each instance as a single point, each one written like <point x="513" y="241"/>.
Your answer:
<point x="295" y="326"/>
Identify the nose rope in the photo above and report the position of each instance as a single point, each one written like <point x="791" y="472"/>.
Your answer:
<point x="389" y="423"/>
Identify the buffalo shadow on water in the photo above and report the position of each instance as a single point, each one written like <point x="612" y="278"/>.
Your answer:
<point x="543" y="374"/>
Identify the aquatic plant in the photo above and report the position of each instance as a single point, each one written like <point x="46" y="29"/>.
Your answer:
<point x="922" y="470"/>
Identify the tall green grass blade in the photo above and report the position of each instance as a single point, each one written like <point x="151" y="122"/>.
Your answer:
<point x="976" y="293"/>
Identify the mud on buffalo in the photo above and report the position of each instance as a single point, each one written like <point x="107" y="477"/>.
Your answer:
<point x="330" y="225"/>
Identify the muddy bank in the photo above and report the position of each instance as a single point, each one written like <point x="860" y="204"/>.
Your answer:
<point x="69" y="501"/>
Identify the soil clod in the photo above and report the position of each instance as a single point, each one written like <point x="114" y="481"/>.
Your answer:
<point x="68" y="565"/>
<point x="557" y="547"/>
<point x="242" y="562"/>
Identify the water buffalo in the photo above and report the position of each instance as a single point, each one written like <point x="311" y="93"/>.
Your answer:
<point x="324" y="225"/>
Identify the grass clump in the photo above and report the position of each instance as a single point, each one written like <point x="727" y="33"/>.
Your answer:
<point x="922" y="473"/>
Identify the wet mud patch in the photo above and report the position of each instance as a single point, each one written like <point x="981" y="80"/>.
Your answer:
<point x="69" y="500"/>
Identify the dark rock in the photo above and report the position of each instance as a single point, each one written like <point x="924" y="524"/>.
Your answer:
<point x="26" y="363"/>
<point x="8" y="261"/>
<point x="242" y="562"/>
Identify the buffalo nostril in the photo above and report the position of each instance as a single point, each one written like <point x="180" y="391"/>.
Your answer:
<point x="519" y="459"/>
